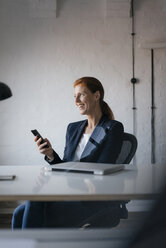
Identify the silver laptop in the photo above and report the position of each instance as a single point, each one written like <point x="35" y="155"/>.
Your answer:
<point x="91" y="168"/>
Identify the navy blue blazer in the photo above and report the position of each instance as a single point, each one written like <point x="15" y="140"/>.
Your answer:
<point x="103" y="146"/>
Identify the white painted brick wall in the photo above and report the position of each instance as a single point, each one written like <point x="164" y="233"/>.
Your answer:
<point x="42" y="55"/>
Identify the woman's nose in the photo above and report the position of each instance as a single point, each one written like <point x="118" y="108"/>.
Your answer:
<point x="77" y="99"/>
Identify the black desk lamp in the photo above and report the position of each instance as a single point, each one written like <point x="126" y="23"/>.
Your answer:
<point x="5" y="91"/>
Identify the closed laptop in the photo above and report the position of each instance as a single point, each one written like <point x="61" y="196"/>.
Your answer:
<point x="91" y="168"/>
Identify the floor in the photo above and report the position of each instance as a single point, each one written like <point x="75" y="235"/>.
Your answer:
<point x="6" y="210"/>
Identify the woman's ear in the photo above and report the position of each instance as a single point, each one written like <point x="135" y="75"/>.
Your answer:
<point x="97" y="95"/>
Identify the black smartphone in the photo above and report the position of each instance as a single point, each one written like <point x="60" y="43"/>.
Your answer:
<point x="36" y="133"/>
<point x="7" y="177"/>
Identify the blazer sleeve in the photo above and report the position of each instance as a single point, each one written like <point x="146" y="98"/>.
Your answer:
<point x="57" y="159"/>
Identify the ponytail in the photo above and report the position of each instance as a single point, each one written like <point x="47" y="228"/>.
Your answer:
<point x="106" y="110"/>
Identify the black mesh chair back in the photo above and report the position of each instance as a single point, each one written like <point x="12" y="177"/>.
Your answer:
<point x="110" y="217"/>
<point x="129" y="147"/>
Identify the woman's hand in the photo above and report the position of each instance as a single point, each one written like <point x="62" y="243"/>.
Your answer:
<point x="48" y="151"/>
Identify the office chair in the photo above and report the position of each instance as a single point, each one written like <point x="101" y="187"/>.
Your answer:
<point x="110" y="217"/>
<point x="129" y="147"/>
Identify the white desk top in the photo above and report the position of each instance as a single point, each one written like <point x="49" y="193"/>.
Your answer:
<point x="35" y="183"/>
<point x="65" y="238"/>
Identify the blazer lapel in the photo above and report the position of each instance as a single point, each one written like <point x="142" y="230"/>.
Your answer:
<point x="96" y="138"/>
<point x="76" y="138"/>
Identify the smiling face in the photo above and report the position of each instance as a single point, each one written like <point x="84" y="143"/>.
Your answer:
<point x="85" y="100"/>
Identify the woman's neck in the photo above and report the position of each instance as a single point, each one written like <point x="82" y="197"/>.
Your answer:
<point x="93" y="120"/>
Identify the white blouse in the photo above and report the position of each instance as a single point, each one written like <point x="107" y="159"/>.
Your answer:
<point x="81" y="145"/>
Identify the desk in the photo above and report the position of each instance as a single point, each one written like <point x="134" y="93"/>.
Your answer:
<point x="62" y="238"/>
<point x="35" y="183"/>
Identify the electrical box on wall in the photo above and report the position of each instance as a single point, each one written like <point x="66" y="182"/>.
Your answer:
<point x="43" y="8"/>
<point x="120" y="8"/>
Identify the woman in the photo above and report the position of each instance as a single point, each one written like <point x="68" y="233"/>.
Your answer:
<point x="97" y="139"/>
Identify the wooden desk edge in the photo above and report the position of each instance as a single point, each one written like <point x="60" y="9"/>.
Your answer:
<point x="80" y="198"/>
